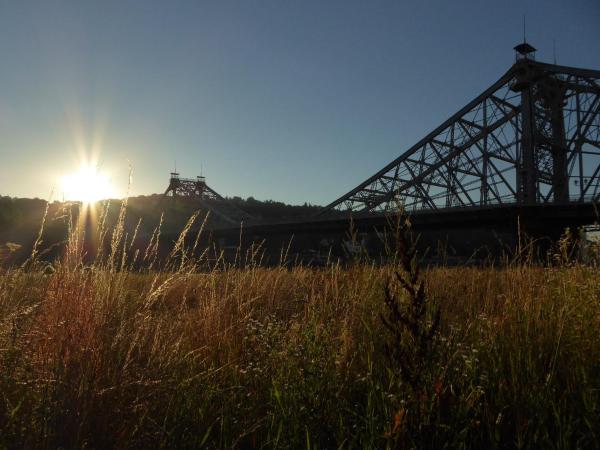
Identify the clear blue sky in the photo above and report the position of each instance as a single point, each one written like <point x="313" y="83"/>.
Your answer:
<point x="288" y="100"/>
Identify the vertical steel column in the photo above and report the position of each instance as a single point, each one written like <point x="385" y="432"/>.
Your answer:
<point x="578" y="147"/>
<point x="527" y="170"/>
<point x="483" y="199"/>
<point x="560" y="176"/>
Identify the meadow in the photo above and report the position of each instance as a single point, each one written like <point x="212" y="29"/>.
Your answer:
<point x="360" y="355"/>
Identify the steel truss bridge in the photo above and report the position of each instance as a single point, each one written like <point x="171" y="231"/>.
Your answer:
<point x="523" y="155"/>
<point x="532" y="138"/>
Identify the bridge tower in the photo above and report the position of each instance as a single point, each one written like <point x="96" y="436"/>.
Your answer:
<point x="197" y="190"/>
<point x="191" y="188"/>
<point x="531" y="139"/>
<point x="543" y="138"/>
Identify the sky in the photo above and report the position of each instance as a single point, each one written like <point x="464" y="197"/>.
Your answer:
<point x="295" y="101"/>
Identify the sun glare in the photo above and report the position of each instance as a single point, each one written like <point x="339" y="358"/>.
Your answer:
<point x="87" y="185"/>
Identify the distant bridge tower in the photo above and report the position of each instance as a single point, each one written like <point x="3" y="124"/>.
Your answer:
<point x="191" y="188"/>
<point x="197" y="190"/>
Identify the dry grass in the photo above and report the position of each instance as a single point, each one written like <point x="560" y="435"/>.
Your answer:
<point x="103" y="356"/>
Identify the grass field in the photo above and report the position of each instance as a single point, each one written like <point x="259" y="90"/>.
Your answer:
<point x="292" y="357"/>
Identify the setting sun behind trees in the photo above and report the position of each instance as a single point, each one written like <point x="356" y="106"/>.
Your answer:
<point x="87" y="185"/>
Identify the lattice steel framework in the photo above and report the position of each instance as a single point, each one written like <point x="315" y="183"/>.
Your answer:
<point x="533" y="137"/>
<point x="189" y="187"/>
<point x="197" y="190"/>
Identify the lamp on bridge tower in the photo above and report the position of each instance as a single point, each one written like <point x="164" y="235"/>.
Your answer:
<point x="525" y="51"/>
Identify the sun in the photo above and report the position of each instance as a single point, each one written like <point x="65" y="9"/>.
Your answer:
<point x="87" y="185"/>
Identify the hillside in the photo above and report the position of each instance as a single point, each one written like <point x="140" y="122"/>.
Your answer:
<point x="21" y="218"/>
